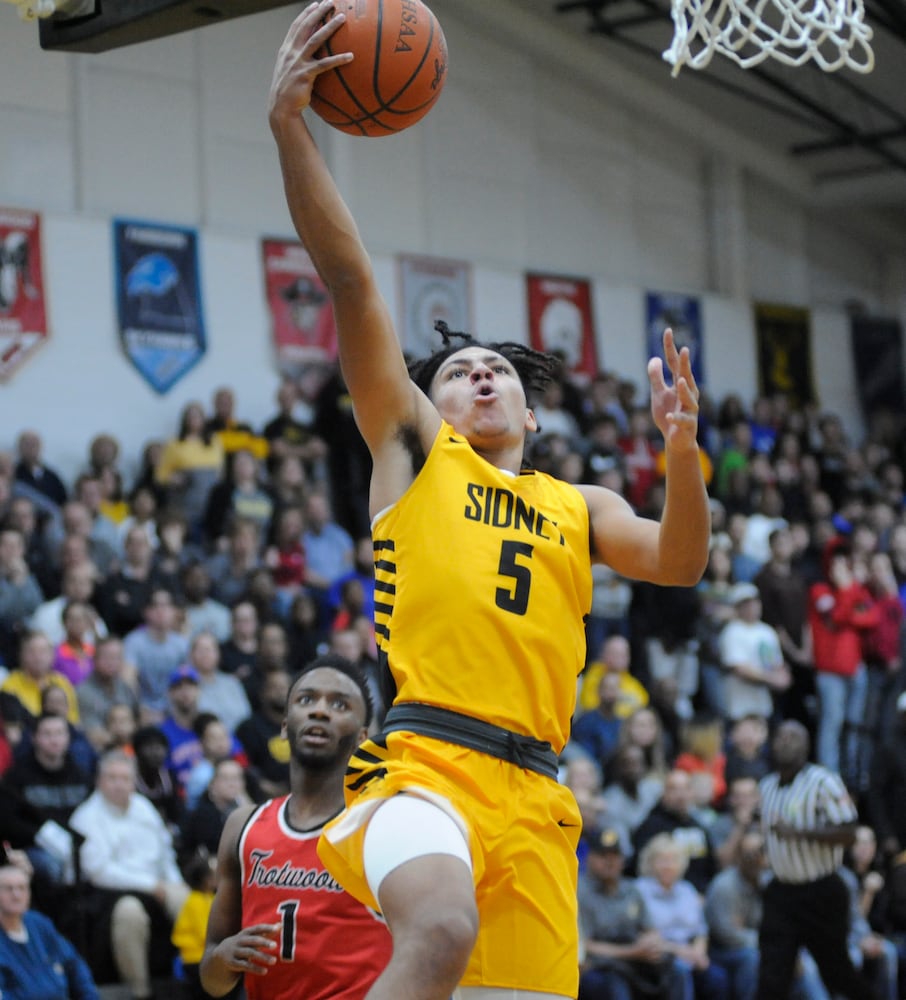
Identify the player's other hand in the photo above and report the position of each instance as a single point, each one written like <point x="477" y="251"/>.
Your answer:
<point x="253" y="950"/>
<point x="674" y="408"/>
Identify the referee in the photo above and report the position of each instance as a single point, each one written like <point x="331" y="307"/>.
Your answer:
<point x="807" y="818"/>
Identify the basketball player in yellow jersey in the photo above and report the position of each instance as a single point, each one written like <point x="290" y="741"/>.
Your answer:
<point x="455" y="825"/>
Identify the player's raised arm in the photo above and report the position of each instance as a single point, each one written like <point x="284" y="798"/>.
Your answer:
<point x="370" y="355"/>
<point x="674" y="551"/>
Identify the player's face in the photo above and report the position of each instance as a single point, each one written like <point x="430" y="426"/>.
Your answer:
<point x="325" y="718"/>
<point x="480" y="394"/>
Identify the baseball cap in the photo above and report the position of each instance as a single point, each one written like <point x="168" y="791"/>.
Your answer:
<point x="744" y="592"/>
<point x="604" y="840"/>
<point x="184" y="673"/>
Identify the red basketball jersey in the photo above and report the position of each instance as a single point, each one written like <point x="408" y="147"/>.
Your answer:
<point x="330" y="945"/>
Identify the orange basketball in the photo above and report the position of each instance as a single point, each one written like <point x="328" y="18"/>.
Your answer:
<point x="398" y="72"/>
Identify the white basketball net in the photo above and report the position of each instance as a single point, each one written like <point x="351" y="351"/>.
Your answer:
<point x="832" y="32"/>
<point x="31" y="9"/>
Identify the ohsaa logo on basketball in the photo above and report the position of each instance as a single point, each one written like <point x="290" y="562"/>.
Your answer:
<point x="408" y="25"/>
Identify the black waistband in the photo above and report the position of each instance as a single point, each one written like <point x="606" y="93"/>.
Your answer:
<point x="474" y="734"/>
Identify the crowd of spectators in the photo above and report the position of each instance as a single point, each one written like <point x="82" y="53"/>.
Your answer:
<point x="148" y="632"/>
<point x="149" y="627"/>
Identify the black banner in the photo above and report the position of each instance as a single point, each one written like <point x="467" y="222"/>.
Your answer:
<point x="784" y="353"/>
<point x="877" y="346"/>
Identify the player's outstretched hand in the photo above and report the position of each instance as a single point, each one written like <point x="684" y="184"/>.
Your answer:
<point x="297" y="66"/>
<point x="252" y="950"/>
<point x="674" y="408"/>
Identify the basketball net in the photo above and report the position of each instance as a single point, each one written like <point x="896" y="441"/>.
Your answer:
<point x="29" y="10"/>
<point x="831" y="32"/>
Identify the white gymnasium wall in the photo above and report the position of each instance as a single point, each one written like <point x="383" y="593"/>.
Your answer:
<point x="531" y="161"/>
<point x="777" y="231"/>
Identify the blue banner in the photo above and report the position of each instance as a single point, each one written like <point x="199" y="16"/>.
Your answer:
<point x="158" y="297"/>
<point x="682" y="313"/>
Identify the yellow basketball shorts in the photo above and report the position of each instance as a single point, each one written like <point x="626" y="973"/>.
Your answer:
<point x="522" y="829"/>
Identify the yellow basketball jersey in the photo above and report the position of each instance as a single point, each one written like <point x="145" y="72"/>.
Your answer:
<point x="482" y="584"/>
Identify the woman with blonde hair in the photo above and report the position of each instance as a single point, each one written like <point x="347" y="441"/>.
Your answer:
<point x="677" y="912"/>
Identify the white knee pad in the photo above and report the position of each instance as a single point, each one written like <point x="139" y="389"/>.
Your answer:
<point x="406" y="827"/>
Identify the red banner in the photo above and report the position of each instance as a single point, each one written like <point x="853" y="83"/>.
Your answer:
<point x="23" y="316"/>
<point x="560" y="320"/>
<point x="302" y="319"/>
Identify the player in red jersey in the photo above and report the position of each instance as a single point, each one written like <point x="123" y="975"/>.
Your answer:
<point x="278" y="916"/>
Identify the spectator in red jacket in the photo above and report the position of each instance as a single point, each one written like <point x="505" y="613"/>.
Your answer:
<point x="881" y="649"/>
<point x="841" y="612"/>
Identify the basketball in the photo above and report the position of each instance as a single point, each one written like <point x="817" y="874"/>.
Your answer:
<point x="398" y="72"/>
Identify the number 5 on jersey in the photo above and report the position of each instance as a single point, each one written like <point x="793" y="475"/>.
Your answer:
<point x="513" y="559"/>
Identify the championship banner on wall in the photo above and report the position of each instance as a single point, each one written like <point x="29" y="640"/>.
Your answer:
<point x="158" y="298"/>
<point x="877" y="347"/>
<point x="302" y="321"/>
<point x="682" y="313"/>
<point x="23" y="315"/>
<point x="560" y="320"/>
<point x="433" y="289"/>
<point x="784" y="353"/>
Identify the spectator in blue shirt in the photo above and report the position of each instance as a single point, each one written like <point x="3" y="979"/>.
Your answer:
<point x="329" y="552"/>
<point x="36" y="961"/>
<point x="598" y="730"/>
<point x="156" y="649"/>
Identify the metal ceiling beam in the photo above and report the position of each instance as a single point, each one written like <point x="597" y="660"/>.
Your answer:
<point x="893" y="15"/>
<point x="618" y="23"/>
<point x="843" y="133"/>
<point x="592" y="6"/>
<point x="870" y="100"/>
<point x="842" y="142"/>
<point x="841" y="127"/>
<point x="784" y="110"/>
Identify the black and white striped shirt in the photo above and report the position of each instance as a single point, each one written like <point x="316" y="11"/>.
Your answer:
<point x="816" y="797"/>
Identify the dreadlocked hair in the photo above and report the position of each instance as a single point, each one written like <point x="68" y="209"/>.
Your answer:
<point x="534" y="368"/>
